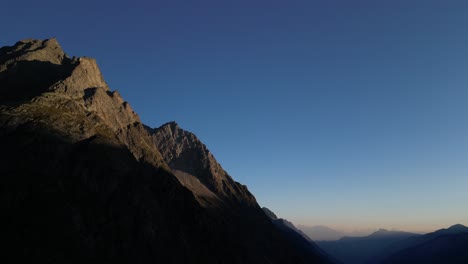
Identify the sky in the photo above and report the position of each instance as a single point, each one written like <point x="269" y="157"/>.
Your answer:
<point x="350" y="114"/>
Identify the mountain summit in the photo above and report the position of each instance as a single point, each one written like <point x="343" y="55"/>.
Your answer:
<point x="85" y="182"/>
<point x="189" y="158"/>
<point x="457" y="228"/>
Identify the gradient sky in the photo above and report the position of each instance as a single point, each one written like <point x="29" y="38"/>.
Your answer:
<point x="351" y="114"/>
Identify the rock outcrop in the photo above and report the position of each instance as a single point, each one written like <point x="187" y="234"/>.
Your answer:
<point x="84" y="182"/>
<point x="72" y="90"/>
<point x="184" y="152"/>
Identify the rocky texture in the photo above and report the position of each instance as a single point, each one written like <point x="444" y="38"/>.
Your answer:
<point x="47" y="50"/>
<point x="29" y="68"/>
<point x="66" y="92"/>
<point x="83" y="182"/>
<point x="183" y="151"/>
<point x="205" y="196"/>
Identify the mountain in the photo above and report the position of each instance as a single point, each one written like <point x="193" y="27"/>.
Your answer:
<point x="320" y="232"/>
<point x="442" y="246"/>
<point x="356" y="250"/>
<point x="296" y="236"/>
<point x="285" y="224"/>
<point x="84" y="182"/>
<point x="455" y="229"/>
<point x="193" y="163"/>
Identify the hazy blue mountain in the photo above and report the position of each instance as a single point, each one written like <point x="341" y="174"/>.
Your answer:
<point x="358" y="250"/>
<point x="442" y="246"/>
<point x="320" y="232"/>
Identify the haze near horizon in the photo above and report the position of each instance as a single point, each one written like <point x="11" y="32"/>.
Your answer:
<point x="350" y="115"/>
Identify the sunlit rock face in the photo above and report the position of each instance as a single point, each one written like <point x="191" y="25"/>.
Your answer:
<point x="83" y="181"/>
<point x="184" y="152"/>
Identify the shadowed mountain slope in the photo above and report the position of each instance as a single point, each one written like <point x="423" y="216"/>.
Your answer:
<point x="448" y="245"/>
<point x="296" y="236"/>
<point x="359" y="250"/>
<point x="84" y="181"/>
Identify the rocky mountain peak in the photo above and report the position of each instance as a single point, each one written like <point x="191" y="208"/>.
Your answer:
<point x="172" y="125"/>
<point x="184" y="152"/>
<point x="184" y="141"/>
<point x="48" y="50"/>
<point x="37" y="75"/>
<point x="457" y="228"/>
<point x="87" y="184"/>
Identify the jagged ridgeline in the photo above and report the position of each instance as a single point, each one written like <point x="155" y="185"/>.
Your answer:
<point x="84" y="181"/>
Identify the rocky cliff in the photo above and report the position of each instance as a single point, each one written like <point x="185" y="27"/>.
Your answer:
<point x="186" y="154"/>
<point x="70" y="95"/>
<point x="84" y="181"/>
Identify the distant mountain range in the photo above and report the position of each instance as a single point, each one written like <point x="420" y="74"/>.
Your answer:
<point x="358" y="250"/>
<point x="321" y="232"/>
<point x="442" y="246"/>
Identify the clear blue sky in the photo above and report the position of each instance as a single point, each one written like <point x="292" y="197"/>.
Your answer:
<point x="351" y="114"/>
